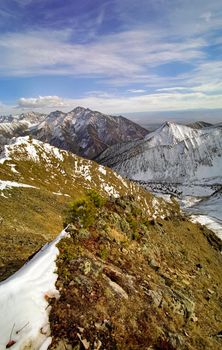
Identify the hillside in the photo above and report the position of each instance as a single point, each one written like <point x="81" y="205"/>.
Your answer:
<point x="125" y="281"/>
<point x="37" y="182"/>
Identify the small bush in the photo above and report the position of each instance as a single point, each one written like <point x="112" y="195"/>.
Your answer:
<point x="96" y="198"/>
<point x="81" y="212"/>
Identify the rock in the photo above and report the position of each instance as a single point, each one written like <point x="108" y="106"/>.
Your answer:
<point x="84" y="342"/>
<point x="194" y="318"/>
<point x="156" y="296"/>
<point x="97" y="344"/>
<point x="219" y="334"/>
<point x="153" y="263"/>
<point x="199" y="266"/>
<point x="119" y="290"/>
<point x="176" y="340"/>
<point x="210" y="291"/>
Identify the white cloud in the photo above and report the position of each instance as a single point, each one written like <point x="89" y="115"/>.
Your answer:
<point x="41" y="102"/>
<point x="175" y="88"/>
<point x="214" y="87"/>
<point x="137" y="91"/>
<point x="142" y="103"/>
<point x="122" y="55"/>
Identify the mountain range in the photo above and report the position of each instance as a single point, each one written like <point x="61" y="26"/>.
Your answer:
<point x="81" y="131"/>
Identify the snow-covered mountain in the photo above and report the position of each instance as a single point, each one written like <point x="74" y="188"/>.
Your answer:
<point x="171" y="154"/>
<point x="81" y="131"/>
<point x="211" y="205"/>
<point x="18" y="125"/>
<point x="31" y="118"/>
<point x="86" y="132"/>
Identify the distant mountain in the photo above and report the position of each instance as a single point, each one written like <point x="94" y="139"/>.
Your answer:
<point x="86" y="132"/>
<point x="81" y="131"/>
<point x="173" y="154"/>
<point x="18" y="125"/>
<point x="30" y="118"/>
<point x="199" y="125"/>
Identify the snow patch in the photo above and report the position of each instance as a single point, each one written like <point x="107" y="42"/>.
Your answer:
<point x="102" y="169"/>
<point x="211" y="223"/>
<point x="109" y="189"/>
<point x="83" y="170"/>
<point x="61" y="194"/>
<point x="23" y="301"/>
<point x="9" y="184"/>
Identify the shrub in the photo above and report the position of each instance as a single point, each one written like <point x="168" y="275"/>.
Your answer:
<point x="81" y="212"/>
<point x="96" y="198"/>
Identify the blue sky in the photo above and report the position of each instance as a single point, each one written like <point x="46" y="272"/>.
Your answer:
<point x="116" y="56"/>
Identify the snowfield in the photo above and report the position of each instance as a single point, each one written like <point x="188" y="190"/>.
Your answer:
<point x="24" y="317"/>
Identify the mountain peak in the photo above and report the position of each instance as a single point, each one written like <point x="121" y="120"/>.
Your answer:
<point x="80" y="109"/>
<point x="56" y="113"/>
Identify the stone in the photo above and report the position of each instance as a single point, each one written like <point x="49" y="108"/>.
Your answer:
<point x="153" y="263"/>
<point x="156" y="296"/>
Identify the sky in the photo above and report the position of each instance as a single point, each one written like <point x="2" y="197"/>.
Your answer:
<point x="115" y="56"/>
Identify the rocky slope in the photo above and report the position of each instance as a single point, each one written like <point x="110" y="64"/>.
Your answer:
<point x="200" y="125"/>
<point x="172" y="154"/>
<point x="126" y="282"/>
<point x="36" y="183"/>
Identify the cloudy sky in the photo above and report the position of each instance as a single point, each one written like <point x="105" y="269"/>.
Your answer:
<point x="116" y="56"/>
